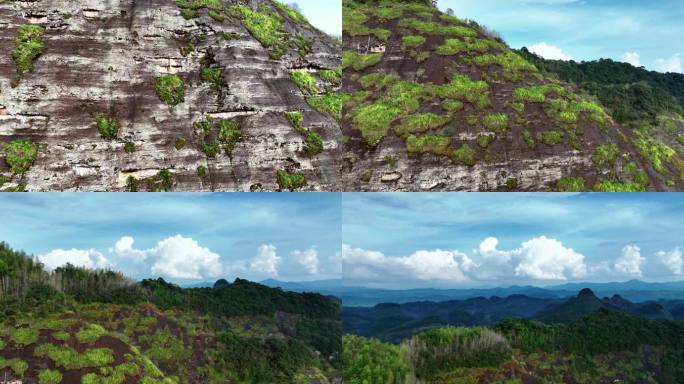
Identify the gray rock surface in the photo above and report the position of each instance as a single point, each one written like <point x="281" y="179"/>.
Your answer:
<point x="101" y="56"/>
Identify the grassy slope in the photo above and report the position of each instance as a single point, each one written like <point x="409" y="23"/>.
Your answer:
<point x="449" y="89"/>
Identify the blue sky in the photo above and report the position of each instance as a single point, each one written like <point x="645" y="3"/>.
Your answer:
<point x="473" y="239"/>
<point x="325" y="15"/>
<point x="182" y="237"/>
<point x="648" y="33"/>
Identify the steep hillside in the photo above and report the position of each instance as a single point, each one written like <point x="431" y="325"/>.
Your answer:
<point x="435" y="103"/>
<point x="166" y="95"/>
<point x="74" y="325"/>
<point x="651" y="103"/>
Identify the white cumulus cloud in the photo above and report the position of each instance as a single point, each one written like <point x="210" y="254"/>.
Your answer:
<point x="183" y="258"/>
<point x="87" y="258"/>
<point x="632" y="58"/>
<point x="673" y="64"/>
<point x="629" y="263"/>
<point x="672" y="260"/>
<point x="550" y="52"/>
<point x="266" y="261"/>
<point x="124" y="249"/>
<point x="450" y="266"/>
<point x="308" y="259"/>
<point x="548" y="259"/>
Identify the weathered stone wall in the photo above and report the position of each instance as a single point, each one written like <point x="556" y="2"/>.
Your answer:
<point x="101" y="56"/>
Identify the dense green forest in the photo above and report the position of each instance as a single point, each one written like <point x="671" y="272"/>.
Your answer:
<point x="605" y="346"/>
<point x="635" y="97"/>
<point x="116" y="330"/>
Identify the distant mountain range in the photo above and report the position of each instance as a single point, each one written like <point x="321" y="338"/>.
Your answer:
<point x="395" y="322"/>
<point x="634" y="290"/>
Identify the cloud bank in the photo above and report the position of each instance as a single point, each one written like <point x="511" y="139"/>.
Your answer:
<point x="540" y="259"/>
<point x="184" y="258"/>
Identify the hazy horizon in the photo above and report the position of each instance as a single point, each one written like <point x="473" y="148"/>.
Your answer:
<point x="498" y="239"/>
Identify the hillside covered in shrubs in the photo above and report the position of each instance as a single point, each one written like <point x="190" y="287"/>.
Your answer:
<point x="603" y="347"/>
<point x="74" y="325"/>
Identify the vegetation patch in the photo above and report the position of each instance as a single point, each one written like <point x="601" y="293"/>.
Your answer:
<point x="170" y="89"/>
<point x="437" y="29"/>
<point x="20" y="155"/>
<point x="328" y="104"/>
<point x="230" y="36"/>
<point x="290" y="181"/>
<point x="218" y="135"/>
<point x="452" y="106"/>
<point x="438" y="145"/>
<point x="419" y="123"/>
<point x="210" y="74"/>
<point x="24" y="336"/>
<point x="360" y="61"/>
<point x="305" y="81"/>
<point x="69" y="358"/>
<point x="484" y="140"/>
<point x="412" y="41"/>
<point x="292" y="13"/>
<point x="550" y="138"/>
<point x="388" y="13"/>
<point x="129" y="147"/>
<point x="571" y="184"/>
<point x="332" y="76"/>
<point x="463" y="88"/>
<point x="107" y="126"/>
<point x="49" y="376"/>
<point x="90" y="334"/>
<point x="28" y="46"/>
<point x="353" y="20"/>
<point x="497" y="122"/>
<point x="374" y="121"/>
<point x="180" y="143"/>
<point x="527" y="138"/>
<point x="513" y="65"/>
<point x="456" y="46"/>
<point x="605" y="155"/>
<point x="655" y="152"/>
<point x="163" y="181"/>
<point x="537" y="94"/>
<point x="201" y="171"/>
<point x="618" y="186"/>
<point x="568" y="112"/>
<point x="266" y="27"/>
<point x="314" y="142"/>
<point x="464" y="155"/>
<point x="445" y="349"/>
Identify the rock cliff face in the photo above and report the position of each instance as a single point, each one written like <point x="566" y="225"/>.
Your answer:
<point x="439" y="104"/>
<point x="109" y="65"/>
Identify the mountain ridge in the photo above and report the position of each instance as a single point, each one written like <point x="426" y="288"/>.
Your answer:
<point x="395" y="322"/>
